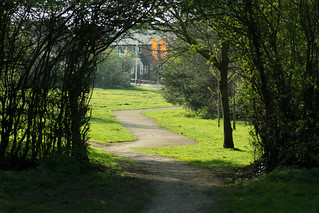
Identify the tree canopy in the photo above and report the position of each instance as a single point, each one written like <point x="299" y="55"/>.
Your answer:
<point x="48" y="55"/>
<point x="274" y="47"/>
<point x="49" y="51"/>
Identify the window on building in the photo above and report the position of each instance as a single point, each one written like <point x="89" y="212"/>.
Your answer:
<point x="119" y="49"/>
<point x="141" y="68"/>
<point x="136" y="49"/>
<point x="151" y="67"/>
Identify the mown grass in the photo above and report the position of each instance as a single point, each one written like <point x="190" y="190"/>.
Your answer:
<point x="60" y="184"/>
<point x="284" y="190"/>
<point x="208" y="152"/>
<point x="104" y="127"/>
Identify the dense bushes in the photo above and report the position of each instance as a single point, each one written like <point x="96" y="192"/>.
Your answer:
<point x="275" y="44"/>
<point x="114" y="70"/>
<point x="279" y="48"/>
<point x="46" y="75"/>
<point x="189" y="82"/>
<point x="48" y="57"/>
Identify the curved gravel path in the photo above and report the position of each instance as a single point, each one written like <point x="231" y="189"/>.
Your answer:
<point x="178" y="187"/>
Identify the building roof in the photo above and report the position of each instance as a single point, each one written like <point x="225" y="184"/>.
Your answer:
<point x="139" y="37"/>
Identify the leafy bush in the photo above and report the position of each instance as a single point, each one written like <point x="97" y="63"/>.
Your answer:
<point x="281" y="90"/>
<point x="114" y="70"/>
<point x="189" y="82"/>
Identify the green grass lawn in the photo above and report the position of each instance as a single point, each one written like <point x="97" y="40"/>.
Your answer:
<point x="208" y="152"/>
<point x="284" y="190"/>
<point x="61" y="185"/>
<point x="104" y="127"/>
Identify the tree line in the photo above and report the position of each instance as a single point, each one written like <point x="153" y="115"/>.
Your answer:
<point x="49" y="51"/>
<point x="272" y="48"/>
<point x="48" y="56"/>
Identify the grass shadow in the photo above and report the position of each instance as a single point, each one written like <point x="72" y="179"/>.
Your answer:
<point x="132" y="88"/>
<point x="61" y="184"/>
<point x="217" y="163"/>
<point x="238" y="150"/>
<point x="102" y="120"/>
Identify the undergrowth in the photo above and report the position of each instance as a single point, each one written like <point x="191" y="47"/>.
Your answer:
<point x="61" y="184"/>
<point x="293" y="190"/>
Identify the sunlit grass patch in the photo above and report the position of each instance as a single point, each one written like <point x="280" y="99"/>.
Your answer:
<point x="108" y="160"/>
<point x="104" y="127"/>
<point x="125" y="99"/>
<point x="208" y="152"/>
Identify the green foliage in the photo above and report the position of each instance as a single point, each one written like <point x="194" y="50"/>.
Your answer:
<point x="48" y="58"/>
<point x="194" y="25"/>
<point x="277" y="50"/>
<point x="104" y="127"/>
<point x="282" y="79"/>
<point x="62" y="184"/>
<point x="114" y="70"/>
<point x="283" y="190"/>
<point x="189" y="82"/>
<point x="208" y="152"/>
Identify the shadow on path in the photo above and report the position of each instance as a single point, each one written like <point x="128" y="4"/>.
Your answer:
<point x="178" y="187"/>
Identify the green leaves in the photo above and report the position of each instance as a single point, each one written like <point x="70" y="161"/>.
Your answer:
<point x="51" y="47"/>
<point x="279" y="69"/>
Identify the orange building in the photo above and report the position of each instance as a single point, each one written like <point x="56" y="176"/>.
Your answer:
<point x="150" y="49"/>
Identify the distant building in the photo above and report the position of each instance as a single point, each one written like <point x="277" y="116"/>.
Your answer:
<point x="150" y="49"/>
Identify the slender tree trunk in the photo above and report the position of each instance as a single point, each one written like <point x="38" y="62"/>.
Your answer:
<point x="218" y="105"/>
<point x="3" y="147"/>
<point x="78" y="111"/>
<point x="223" y="87"/>
<point x="234" y="110"/>
<point x="222" y="65"/>
<point x="228" y="132"/>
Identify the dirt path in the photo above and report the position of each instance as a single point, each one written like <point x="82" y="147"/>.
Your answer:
<point x="178" y="187"/>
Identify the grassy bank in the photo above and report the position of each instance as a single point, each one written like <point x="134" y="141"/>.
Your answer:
<point x="284" y="190"/>
<point x="208" y="152"/>
<point x="61" y="185"/>
<point x="104" y="127"/>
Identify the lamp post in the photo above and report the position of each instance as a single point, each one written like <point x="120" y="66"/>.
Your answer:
<point x="136" y="52"/>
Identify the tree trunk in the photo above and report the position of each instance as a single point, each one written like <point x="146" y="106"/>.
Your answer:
<point x="223" y="87"/>
<point x="218" y="106"/>
<point x="222" y="66"/>
<point x="228" y="132"/>
<point x="234" y="109"/>
<point x="78" y="112"/>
